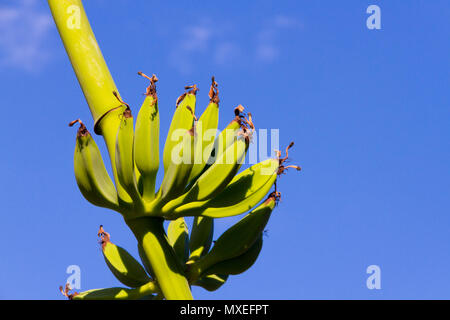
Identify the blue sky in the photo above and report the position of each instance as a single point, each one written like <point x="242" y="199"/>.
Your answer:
<point x="368" y="110"/>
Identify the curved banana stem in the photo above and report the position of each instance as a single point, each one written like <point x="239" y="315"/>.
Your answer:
<point x="85" y="55"/>
<point x="91" y="70"/>
<point x="151" y="236"/>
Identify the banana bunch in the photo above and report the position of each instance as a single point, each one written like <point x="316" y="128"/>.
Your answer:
<point x="201" y="180"/>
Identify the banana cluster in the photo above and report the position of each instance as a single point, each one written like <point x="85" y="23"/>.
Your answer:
<point x="201" y="180"/>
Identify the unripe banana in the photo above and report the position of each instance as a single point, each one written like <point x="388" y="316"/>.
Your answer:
<point x="226" y="137"/>
<point x="177" y="175"/>
<point x="237" y="239"/>
<point x="238" y="264"/>
<point x="216" y="177"/>
<point x="122" y="264"/>
<point x="206" y="125"/>
<point x="147" y="265"/>
<point x="211" y="282"/>
<point x="201" y="237"/>
<point x="118" y="293"/>
<point x="245" y="191"/>
<point x="183" y="118"/>
<point x="146" y="141"/>
<point x="92" y="178"/>
<point x="125" y="157"/>
<point x="178" y="236"/>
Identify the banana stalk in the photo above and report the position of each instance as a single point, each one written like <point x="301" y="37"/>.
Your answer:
<point x="98" y="85"/>
<point x="190" y="187"/>
<point x="164" y="262"/>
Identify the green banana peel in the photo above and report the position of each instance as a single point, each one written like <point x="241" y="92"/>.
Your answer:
<point x="238" y="264"/>
<point x="182" y="120"/>
<point x="90" y="173"/>
<point x="236" y="240"/>
<point x="118" y="293"/>
<point x="243" y="192"/>
<point x="122" y="264"/>
<point x="206" y="129"/>
<point x="211" y="282"/>
<point x="201" y="237"/>
<point x="146" y="140"/>
<point x="178" y="235"/>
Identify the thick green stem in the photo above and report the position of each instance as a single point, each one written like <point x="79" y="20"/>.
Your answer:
<point x="92" y="72"/>
<point x="85" y="55"/>
<point x="151" y="236"/>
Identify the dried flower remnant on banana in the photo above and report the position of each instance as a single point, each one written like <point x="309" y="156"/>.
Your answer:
<point x="127" y="111"/>
<point x="214" y="92"/>
<point x="82" y="130"/>
<point x="192" y="90"/>
<point x="151" y="89"/>
<point x="105" y="237"/>
<point x="66" y="291"/>
<point x="282" y="167"/>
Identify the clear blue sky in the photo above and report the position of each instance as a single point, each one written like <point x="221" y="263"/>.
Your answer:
<point x="368" y="110"/>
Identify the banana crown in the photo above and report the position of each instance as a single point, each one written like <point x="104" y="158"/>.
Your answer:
<point x="200" y="179"/>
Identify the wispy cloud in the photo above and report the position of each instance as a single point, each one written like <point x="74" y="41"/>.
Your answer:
<point x="23" y="31"/>
<point x="226" y="52"/>
<point x="222" y="44"/>
<point x="194" y="40"/>
<point x="203" y="40"/>
<point x="267" y="48"/>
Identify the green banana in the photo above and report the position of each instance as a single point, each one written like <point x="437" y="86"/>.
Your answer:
<point x="238" y="264"/>
<point x="122" y="264"/>
<point x="177" y="175"/>
<point x="216" y="177"/>
<point x="226" y="137"/>
<point x="125" y="156"/>
<point x="146" y="140"/>
<point x="207" y="124"/>
<point x="183" y="119"/>
<point x="237" y="239"/>
<point x="201" y="237"/>
<point x="117" y="293"/>
<point x="92" y="178"/>
<point x="211" y="282"/>
<point x="245" y="191"/>
<point x="177" y="233"/>
<point x="145" y="262"/>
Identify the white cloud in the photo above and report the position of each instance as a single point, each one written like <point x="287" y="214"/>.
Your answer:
<point x="196" y="38"/>
<point x="225" y="53"/>
<point x="219" y="43"/>
<point x="286" y="22"/>
<point x="23" y="31"/>
<point x="266" y="52"/>
<point x="267" y="49"/>
<point x="204" y="40"/>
